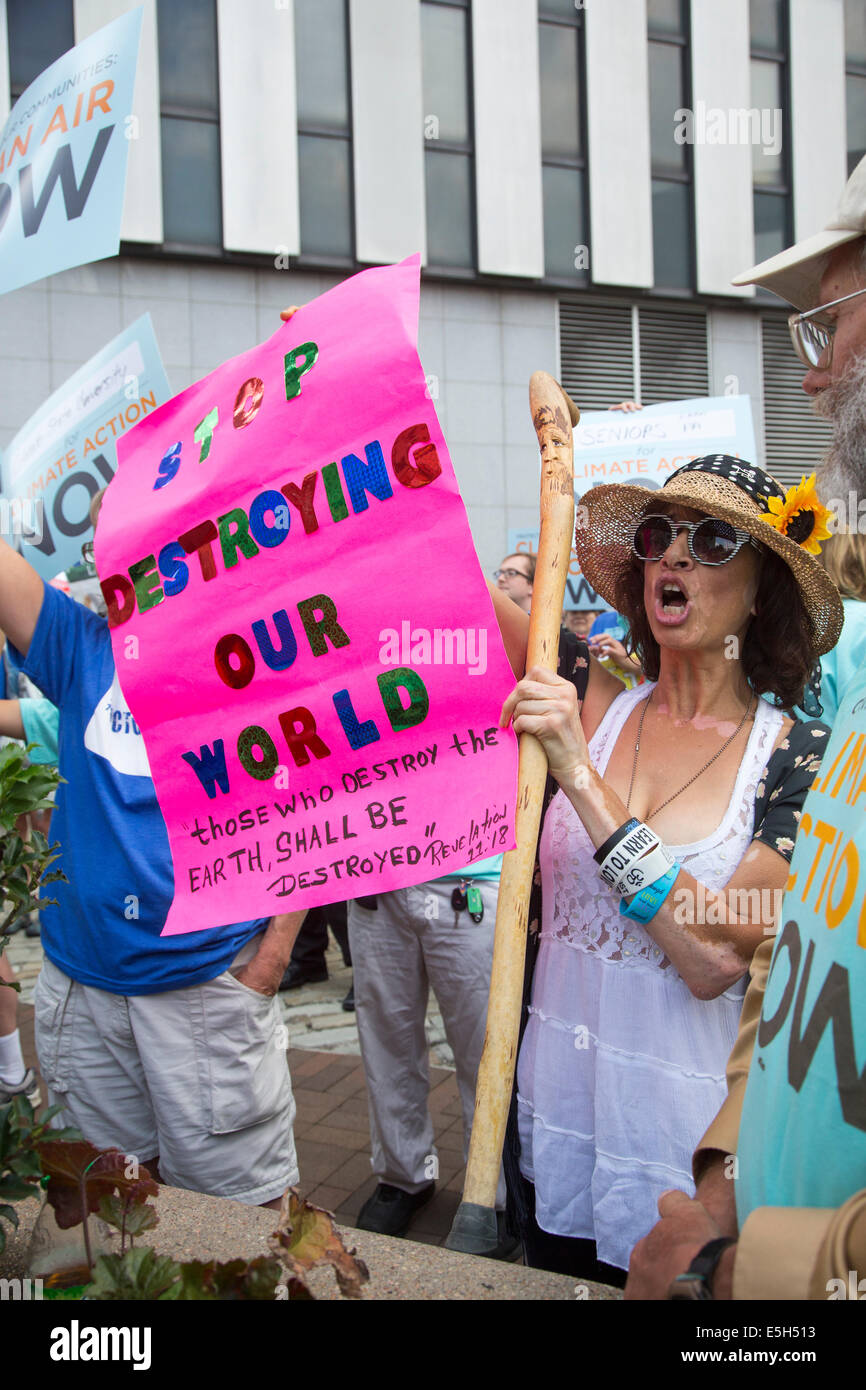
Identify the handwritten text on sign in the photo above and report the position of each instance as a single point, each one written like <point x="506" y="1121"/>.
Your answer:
<point x="288" y="511"/>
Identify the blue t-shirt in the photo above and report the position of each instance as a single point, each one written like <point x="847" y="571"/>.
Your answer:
<point x="802" y="1136"/>
<point x="106" y="928"/>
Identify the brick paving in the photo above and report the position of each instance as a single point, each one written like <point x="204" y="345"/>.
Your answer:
<point x="331" y="1130"/>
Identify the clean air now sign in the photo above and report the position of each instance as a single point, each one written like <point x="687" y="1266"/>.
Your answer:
<point x="63" y="155"/>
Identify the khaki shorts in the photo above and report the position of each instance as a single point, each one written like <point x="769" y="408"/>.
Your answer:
<point x="197" y="1076"/>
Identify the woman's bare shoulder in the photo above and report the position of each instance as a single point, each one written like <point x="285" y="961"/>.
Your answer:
<point x="602" y="689"/>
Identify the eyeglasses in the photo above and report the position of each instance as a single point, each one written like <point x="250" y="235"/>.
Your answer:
<point x="87" y="552"/>
<point x="710" y="541"/>
<point x="811" y="339"/>
<point x="510" y="574"/>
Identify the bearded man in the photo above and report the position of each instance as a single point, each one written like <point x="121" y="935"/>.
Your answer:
<point x="780" y="1207"/>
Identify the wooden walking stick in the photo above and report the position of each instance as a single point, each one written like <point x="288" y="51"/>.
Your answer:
<point x="474" y="1229"/>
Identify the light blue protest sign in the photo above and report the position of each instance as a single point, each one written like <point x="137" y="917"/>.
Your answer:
<point x="578" y="595"/>
<point x="645" y="447"/>
<point x="63" y="158"/>
<point x="66" y="452"/>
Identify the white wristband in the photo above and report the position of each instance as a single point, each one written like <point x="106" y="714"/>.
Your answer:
<point x="637" y="843"/>
<point x="643" y="873"/>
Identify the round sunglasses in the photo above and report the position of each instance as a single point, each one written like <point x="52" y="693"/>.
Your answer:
<point x="710" y="541"/>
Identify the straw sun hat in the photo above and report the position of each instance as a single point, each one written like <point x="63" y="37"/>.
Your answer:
<point x="792" y="524"/>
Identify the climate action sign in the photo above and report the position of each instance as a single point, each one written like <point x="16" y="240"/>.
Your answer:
<point x="63" y="158"/>
<point x="298" y="614"/>
<point x="66" y="452"/>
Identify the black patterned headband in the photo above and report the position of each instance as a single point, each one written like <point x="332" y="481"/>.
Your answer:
<point x="747" y="476"/>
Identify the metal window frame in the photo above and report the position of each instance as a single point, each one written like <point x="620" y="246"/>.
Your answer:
<point x="665" y="35"/>
<point x="575" y="23"/>
<point x="311" y="260"/>
<point x="785" y="189"/>
<point x="851" y="66"/>
<point x="172" y="111"/>
<point x="687" y="176"/>
<point x="464" y="149"/>
<point x="852" y="69"/>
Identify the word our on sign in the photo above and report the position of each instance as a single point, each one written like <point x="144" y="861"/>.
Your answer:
<point x="287" y="509"/>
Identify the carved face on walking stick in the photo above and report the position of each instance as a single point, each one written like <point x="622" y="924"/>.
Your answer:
<point x="554" y="433"/>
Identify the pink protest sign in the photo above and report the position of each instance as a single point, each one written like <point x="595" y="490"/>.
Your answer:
<point x="300" y="625"/>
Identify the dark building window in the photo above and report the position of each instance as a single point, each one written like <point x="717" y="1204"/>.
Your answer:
<point x="189" y="109"/>
<point x="324" y="130"/>
<point x="771" y="175"/>
<point x="449" y="165"/>
<point x="39" y="34"/>
<point x="563" y="146"/>
<point x="855" y="80"/>
<point x="672" y="212"/>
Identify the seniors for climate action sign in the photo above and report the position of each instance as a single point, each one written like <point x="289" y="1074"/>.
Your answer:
<point x="66" y="452"/>
<point x="646" y="447"/>
<point x="63" y="157"/>
<point x="300" y="624"/>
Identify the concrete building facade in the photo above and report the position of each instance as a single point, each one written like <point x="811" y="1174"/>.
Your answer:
<point x="582" y="181"/>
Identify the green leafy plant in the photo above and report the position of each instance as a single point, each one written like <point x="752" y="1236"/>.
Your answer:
<point x="80" y="1180"/>
<point x="21" y="1172"/>
<point x="24" y="860"/>
<point x="141" y="1274"/>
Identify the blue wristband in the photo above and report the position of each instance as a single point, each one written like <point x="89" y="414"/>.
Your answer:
<point x="648" y="901"/>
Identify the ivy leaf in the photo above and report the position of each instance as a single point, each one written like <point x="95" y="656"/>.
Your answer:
<point x="306" y="1236"/>
<point x="16" y="1189"/>
<point x="78" y="1167"/>
<point x="126" y="1216"/>
<point x="136" y="1276"/>
<point x="231" y="1281"/>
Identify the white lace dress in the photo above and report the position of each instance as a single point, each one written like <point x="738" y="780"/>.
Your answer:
<point x="621" y="1068"/>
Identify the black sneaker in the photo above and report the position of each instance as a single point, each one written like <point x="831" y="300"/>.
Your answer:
<point x="390" y="1210"/>
<point x="297" y="975"/>
<point x="509" y="1247"/>
<point x="349" y="1001"/>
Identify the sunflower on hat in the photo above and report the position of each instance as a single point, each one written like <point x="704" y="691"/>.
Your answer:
<point x="800" y="516"/>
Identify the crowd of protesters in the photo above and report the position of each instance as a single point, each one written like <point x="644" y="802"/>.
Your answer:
<point x="661" y="1131"/>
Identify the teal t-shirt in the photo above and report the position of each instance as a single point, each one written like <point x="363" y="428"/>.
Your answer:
<point x="803" y="1128"/>
<point x="41" y="720"/>
<point x="843" y="663"/>
<point x="485" y="868"/>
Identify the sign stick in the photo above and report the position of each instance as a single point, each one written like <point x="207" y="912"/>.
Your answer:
<point x="474" y="1229"/>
